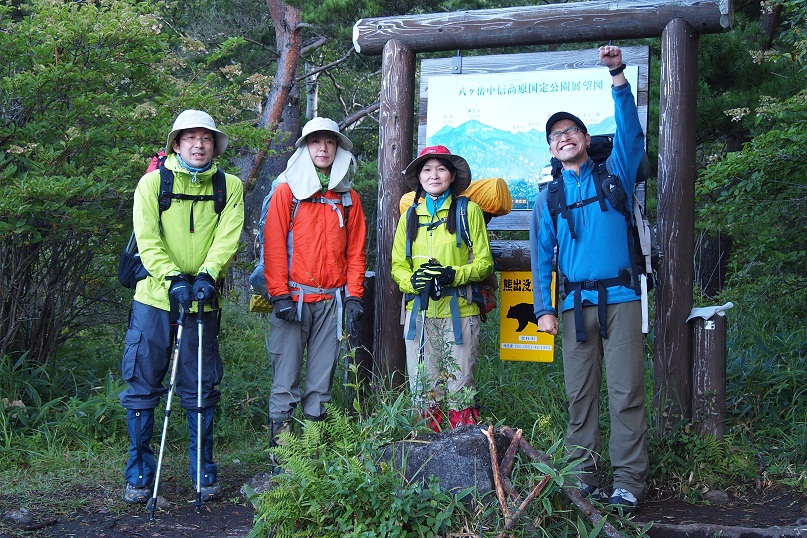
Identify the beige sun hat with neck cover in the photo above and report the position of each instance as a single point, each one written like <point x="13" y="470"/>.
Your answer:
<point x="196" y="119"/>
<point x="300" y="172"/>
<point x="324" y="124"/>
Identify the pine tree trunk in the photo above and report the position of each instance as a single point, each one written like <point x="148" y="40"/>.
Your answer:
<point x="280" y="111"/>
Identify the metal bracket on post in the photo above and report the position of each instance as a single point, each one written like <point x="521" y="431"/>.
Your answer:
<point x="456" y="64"/>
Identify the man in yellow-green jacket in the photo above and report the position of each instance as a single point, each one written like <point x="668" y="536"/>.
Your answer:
<point x="185" y="247"/>
<point x="434" y="269"/>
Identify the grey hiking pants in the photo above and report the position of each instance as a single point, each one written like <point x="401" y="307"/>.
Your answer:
<point x="288" y="340"/>
<point x="623" y="352"/>
<point x="447" y="368"/>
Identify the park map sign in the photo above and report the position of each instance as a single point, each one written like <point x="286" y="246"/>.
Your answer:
<point x="496" y="119"/>
<point x="493" y="111"/>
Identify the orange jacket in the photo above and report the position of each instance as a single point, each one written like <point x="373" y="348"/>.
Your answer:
<point x="313" y="250"/>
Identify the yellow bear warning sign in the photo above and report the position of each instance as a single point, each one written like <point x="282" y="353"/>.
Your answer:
<point x="520" y="339"/>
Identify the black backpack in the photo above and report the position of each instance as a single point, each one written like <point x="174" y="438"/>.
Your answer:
<point x="642" y="243"/>
<point x="130" y="268"/>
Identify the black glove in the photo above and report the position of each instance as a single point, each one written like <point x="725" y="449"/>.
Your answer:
<point x="443" y="275"/>
<point x="180" y="291"/>
<point x="420" y="279"/>
<point x="354" y="310"/>
<point x="284" y="308"/>
<point x="204" y="288"/>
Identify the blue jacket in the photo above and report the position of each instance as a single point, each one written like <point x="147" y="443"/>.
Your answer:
<point x="601" y="248"/>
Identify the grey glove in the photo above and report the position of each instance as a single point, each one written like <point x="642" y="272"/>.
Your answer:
<point x="284" y="308"/>
<point x="354" y="309"/>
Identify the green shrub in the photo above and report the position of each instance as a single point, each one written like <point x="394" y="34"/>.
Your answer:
<point x="336" y="484"/>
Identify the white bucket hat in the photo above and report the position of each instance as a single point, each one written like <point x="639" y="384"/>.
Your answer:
<point x="324" y="124"/>
<point x="196" y="119"/>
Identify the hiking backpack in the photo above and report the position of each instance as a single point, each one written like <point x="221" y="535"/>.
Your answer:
<point x="260" y="296"/>
<point x="130" y="268"/>
<point x="646" y="253"/>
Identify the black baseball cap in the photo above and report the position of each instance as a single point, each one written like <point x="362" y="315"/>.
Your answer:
<point x="557" y="116"/>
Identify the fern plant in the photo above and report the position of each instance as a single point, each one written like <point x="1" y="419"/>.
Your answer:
<point x="335" y="483"/>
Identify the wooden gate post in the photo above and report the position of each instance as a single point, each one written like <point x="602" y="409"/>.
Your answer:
<point x="676" y="221"/>
<point x="709" y="374"/>
<point x="396" y="136"/>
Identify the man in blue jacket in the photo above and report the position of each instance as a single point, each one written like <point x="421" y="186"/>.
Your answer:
<point x="601" y="311"/>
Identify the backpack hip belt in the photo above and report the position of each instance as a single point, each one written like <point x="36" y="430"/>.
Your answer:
<point x="336" y="293"/>
<point x="453" y="305"/>
<point x="601" y="287"/>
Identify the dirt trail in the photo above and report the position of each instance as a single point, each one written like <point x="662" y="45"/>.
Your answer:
<point x="104" y="515"/>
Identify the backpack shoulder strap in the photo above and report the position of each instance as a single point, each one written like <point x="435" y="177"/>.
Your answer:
<point x="600" y="173"/>
<point x="463" y="233"/>
<point x="166" y="188"/>
<point x="347" y="199"/>
<point x="219" y="191"/>
<point x="556" y="201"/>
<point x="295" y="205"/>
<point x="347" y="203"/>
<point x="408" y="241"/>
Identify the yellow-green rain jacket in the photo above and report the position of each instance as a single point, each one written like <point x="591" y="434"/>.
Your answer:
<point x="442" y="246"/>
<point x="175" y="249"/>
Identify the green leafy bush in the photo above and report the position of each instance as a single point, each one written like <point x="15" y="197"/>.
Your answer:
<point x="89" y="92"/>
<point x="334" y="483"/>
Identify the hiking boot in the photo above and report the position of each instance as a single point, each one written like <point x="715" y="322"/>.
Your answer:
<point x="276" y="428"/>
<point x="466" y="417"/>
<point x="590" y="492"/>
<point x="133" y="494"/>
<point x="624" y="500"/>
<point x="434" y="418"/>
<point x="212" y="492"/>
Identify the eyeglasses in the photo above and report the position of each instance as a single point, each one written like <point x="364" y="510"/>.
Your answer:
<point x="567" y="131"/>
<point x="195" y="139"/>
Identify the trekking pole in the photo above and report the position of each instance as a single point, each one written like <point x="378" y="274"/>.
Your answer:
<point x="199" y="416"/>
<point x="424" y="304"/>
<point x="152" y="504"/>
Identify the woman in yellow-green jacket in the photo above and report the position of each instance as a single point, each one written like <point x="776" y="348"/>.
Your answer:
<point x="438" y="253"/>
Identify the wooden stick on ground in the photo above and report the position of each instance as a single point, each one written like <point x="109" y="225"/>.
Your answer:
<point x="574" y="495"/>
<point x="509" y="459"/>
<point x="497" y="478"/>
<point x="523" y="506"/>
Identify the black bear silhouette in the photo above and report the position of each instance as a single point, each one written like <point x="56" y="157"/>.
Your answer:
<point x="524" y="314"/>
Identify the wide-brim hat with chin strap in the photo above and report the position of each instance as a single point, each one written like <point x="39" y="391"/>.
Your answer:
<point x="461" y="180"/>
<point x="196" y="119"/>
<point x="324" y="124"/>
